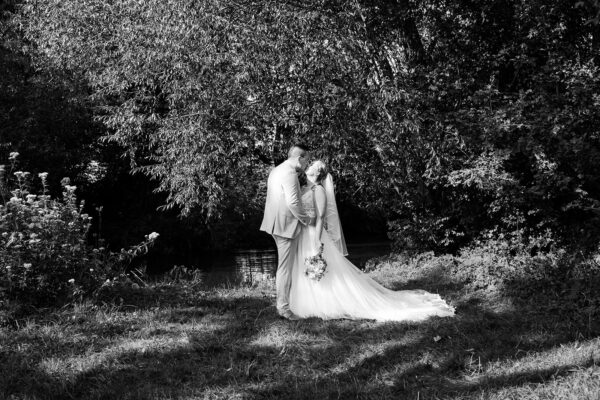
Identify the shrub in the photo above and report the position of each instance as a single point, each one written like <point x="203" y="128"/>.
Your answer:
<point x="499" y="259"/>
<point x="44" y="255"/>
<point x="518" y="265"/>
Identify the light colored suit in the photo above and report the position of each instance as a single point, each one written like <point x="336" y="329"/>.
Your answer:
<point x="283" y="218"/>
<point x="283" y="209"/>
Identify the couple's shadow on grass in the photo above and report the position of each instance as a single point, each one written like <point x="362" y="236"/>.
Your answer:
<point x="227" y="344"/>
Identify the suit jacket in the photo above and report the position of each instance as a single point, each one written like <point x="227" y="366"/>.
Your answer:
<point x="283" y="208"/>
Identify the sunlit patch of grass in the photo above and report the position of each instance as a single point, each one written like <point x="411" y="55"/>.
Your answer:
<point x="89" y="360"/>
<point x="170" y="341"/>
<point x="280" y="334"/>
<point x="573" y="383"/>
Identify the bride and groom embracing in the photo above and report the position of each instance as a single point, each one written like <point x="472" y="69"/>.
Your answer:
<point x="304" y="222"/>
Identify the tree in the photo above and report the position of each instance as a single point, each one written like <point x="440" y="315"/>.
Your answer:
<point x="46" y="120"/>
<point x="453" y="117"/>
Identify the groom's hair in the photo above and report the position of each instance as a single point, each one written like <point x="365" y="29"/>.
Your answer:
<point x="297" y="146"/>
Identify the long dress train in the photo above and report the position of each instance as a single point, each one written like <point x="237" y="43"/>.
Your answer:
<point x="347" y="292"/>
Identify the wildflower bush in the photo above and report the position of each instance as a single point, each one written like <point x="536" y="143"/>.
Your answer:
<point x="45" y="258"/>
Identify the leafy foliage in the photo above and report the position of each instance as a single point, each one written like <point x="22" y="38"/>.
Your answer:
<point x="506" y="266"/>
<point x="44" y="255"/>
<point x="451" y="117"/>
<point x="203" y="94"/>
<point x="43" y="114"/>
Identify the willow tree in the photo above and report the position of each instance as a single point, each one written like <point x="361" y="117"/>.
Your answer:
<point x="453" y="116"/>
<point x="205" y="95"/>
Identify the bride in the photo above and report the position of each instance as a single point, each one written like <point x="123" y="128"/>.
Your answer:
<point x="345" y="291"/>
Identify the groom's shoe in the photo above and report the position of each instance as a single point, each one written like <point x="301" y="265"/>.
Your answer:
<point x="289" y="315"/>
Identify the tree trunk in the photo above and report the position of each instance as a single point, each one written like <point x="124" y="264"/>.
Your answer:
<point x="392" y="30"/>
<point x="408" y="34"/>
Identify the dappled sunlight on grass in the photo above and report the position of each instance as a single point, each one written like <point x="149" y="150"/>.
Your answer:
<point x="364" y="354"/>
<point x="574" y="383"/>
<point x="280" y="335"/>
<point x="90" y="360"/>
<point x="169" y="342"/>
<point x="556" y="358"/>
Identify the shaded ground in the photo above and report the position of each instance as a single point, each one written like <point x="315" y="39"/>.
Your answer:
<point x="179" y="342"/>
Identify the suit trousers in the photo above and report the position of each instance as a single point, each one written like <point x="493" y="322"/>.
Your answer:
<point x="286" y="253"/>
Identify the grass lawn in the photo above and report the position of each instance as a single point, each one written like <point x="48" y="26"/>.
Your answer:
<point x="178" y="341"/>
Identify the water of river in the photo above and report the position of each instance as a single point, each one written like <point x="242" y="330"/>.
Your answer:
<point x="256" y="265"/>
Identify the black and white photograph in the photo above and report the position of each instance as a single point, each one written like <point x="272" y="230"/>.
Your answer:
<point x="299" y="199"/>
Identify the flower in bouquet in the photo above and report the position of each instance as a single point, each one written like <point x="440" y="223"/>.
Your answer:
<point x="315" y="266"/>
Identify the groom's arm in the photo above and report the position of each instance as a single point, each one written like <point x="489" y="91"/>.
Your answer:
<point x="292" y="198"/>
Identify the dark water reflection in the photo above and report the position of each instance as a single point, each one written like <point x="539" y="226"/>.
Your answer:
<point x="258" y="265"/>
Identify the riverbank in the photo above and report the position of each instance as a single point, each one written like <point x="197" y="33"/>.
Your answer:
<point x="174" y="340"/>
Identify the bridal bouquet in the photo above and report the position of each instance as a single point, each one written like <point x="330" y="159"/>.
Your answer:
<point x="315" y="266"/>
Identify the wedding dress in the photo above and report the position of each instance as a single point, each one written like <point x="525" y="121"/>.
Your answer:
<point x="345" y="291"/>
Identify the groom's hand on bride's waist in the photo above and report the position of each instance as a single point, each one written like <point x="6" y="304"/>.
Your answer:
<point x="310" y="220"/>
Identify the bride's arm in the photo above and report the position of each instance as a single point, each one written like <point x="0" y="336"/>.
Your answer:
<point x="321" y="205"/>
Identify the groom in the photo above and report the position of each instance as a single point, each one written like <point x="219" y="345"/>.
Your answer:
<point x="282" y="219"/>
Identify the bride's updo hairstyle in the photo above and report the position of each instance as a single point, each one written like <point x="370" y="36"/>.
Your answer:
<point x="320" y="170"/>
